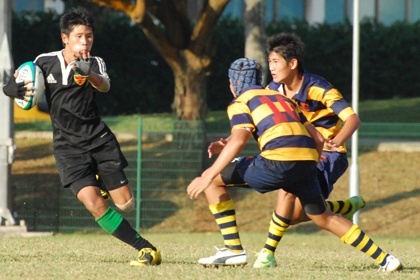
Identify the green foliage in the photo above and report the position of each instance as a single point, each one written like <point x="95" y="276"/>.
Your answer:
<point x="141" y="81"/>
<point x="389" y="57"/>
<point x="33" y="34"/>
<point x="229" y="45"/>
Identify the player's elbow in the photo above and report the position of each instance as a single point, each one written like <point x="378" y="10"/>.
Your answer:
<point x="359" y="123"/>
<point x="355" y="122"/>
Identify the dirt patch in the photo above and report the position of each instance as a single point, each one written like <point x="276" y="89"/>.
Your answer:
<point x="389" y="182"/>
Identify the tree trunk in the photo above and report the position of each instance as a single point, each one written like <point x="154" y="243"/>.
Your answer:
<point x="187" y="49"/>
<point x="190" y="89"/>
<point x="190" y="93"/>
<point x="255" y="33"/>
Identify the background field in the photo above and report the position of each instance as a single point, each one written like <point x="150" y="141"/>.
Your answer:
<point x="389" y="184"/>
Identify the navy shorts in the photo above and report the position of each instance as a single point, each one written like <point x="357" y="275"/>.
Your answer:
<point x="79" y="170"/>
<point x="331" y="167"/>
<point x="263" y="175"/>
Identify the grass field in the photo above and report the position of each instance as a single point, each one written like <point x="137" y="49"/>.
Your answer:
<point x="389" y="183"/>
<point x="300" y="256"/>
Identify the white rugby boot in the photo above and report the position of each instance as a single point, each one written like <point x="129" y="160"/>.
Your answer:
<point x="225" y="257"/>
<point x="392" y="264"/>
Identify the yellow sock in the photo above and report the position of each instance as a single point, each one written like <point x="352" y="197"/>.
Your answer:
<point x="225" y="215"/>
<point x="360" y="240"/>
<point x="278" y="226"/>
<point x="339" y="206"/>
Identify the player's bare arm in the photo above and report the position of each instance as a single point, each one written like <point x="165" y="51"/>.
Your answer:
<point x="351" y="124"/>
<point x="234" y="146"/>
<point x="101" y="83"/>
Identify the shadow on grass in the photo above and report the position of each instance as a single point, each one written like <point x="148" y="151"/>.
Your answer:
<point x="392" y="199"/>
<point x="310" y="227"/>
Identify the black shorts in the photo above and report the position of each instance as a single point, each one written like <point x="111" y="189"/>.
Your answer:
<point x="231" y="176"/>
<point x="264" y="175"/>
<point x="79" y="170"/>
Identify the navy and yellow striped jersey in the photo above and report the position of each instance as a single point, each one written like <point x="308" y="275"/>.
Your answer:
<point x="276" y="122"/>
<point x="322" y="104"/>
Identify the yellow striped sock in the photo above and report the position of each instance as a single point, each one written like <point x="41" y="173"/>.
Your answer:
<point x="339" y="206"/>
<point x="360" y="240"/>
<point x="225" y="215"/>
<point x="278" y="226"/>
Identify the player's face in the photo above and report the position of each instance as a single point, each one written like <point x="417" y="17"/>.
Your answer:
<point x="79" y="41"/>
<point x="280" y="69"/>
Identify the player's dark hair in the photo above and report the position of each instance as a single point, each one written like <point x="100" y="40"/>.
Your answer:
<point x="289" y="46"/>
<point x="74" y="17"/>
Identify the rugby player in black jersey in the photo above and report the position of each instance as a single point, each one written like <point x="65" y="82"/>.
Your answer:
<point x="83" y="144"/>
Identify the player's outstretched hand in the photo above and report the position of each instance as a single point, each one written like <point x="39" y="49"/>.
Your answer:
<point x="83" y="65"/>
<point x="197" y="186"/>
<point x="216" y="147"/>
<point x="16" y="90"/>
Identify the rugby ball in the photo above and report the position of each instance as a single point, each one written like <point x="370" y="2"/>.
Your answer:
<point x="30" y="71"/>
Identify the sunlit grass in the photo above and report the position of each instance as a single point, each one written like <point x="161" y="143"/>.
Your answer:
<point x="299" y="256"/>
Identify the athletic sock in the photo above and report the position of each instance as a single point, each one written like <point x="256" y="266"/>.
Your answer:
<point x="360" y="240"/>
<point x="116" y="225"/>
<point x="339" y="206"/>
<point x="225" y="215"/>
<point x="278" y="226"/>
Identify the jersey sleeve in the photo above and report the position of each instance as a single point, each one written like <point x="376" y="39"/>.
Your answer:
<point x="240" y="116"/>
<point x="335" y="101"/>
<point x="99" y="66"/>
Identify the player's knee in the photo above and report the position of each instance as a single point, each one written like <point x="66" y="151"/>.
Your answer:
<point x="299" y="218"/>
<point x="127" y="207"/>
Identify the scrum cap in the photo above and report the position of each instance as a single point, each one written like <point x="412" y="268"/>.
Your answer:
<point x="243" y="73"/>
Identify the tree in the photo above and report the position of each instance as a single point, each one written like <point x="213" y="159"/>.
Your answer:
<point x="255" y="35"/>
<point x="185" y="46"/>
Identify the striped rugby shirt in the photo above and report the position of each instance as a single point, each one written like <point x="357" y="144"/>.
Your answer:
<point x="276" y="122"/>
<point x="322" y="104"/>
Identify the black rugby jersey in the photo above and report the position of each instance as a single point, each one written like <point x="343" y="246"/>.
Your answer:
<point x="77" y="125"/>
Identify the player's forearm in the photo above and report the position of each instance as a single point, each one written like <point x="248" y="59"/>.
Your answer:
<point x="350" y="126"/>
<point x="223" y="160"/>
<point x="237" y="142"/>
<point x="100" y="82"/>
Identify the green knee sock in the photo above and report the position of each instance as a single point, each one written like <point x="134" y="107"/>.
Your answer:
<point x="110" y="220"/>
<point x="115" y="224"/>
